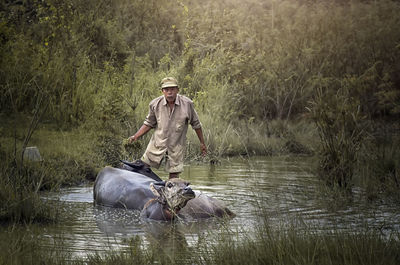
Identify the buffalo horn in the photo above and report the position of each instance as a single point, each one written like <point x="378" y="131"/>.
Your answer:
<point x="159" y="183"/>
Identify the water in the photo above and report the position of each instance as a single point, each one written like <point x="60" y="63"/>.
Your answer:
<point x="281" y="188"/>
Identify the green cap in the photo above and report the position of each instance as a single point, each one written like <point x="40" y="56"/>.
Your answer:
<point x="169" y="82"/>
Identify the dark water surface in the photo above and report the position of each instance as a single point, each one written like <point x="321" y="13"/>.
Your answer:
<point x="280" y="188"/>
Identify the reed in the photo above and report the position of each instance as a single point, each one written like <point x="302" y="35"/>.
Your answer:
<point x="286" y="244"/>
<point x="378" y="167"/>
<point x="19" y="191"/>
<point x="293" y="246"/>
<point x="342" y="129"/>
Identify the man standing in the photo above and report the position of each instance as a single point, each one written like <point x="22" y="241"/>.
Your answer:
<point x="170" y="116"/>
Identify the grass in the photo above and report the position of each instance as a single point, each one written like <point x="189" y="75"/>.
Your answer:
<point x="271" y="138"/>
<point x="70" y="157"/>
<point x="82" y="85"/>
<point x="20" y="196"/>
<point x="279" y="246"/>
<point x="75" y="155"/>
<point x="64" y="153"/>
<point x="67" y="160"/>
<point x="270" y="245"/>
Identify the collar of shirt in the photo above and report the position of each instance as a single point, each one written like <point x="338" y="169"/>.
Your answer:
<point x="177" y="100"/>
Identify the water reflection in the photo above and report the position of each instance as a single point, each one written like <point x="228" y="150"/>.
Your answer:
<point x="117" y="222"/>
<point x="180" y="234"/>
<point x="280" y="188"/>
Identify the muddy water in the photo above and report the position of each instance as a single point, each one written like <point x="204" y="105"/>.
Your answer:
<point x="280" y="188"/>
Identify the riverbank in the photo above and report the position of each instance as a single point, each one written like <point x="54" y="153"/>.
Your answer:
<point x="74" y="155"/>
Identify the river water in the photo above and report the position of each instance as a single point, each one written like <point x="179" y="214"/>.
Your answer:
<point x="281" y="188"/>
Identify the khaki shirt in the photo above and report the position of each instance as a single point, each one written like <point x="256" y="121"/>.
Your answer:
<point x="170" y="129"/>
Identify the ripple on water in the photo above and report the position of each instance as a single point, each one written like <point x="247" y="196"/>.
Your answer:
<point x="279" y="188"/>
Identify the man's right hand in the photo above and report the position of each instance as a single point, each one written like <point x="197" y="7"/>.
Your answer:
<point x="142" y="131"/>
<point x="132" y="139"/>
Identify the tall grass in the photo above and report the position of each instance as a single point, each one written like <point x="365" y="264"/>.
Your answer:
<point x="19" y="192"/>
<point x="22" y="181"/>
<point x="342" y="130"/>
<point x="378" y="167"/>
<point x="274" y="246"/>
<point x="352" y="144"/>
<point x="269" y="244"/>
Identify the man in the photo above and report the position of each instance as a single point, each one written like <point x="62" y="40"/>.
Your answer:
<point x="170" y="116"/>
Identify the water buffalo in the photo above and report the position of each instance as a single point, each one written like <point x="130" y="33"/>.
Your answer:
<point x="158" y="200"/>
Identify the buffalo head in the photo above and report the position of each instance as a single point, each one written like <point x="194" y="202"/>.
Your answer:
<point x="175" y="193"/>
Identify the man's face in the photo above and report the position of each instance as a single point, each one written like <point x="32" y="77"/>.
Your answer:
<point x="170" y="93"/>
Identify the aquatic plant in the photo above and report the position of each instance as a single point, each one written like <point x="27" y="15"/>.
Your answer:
<point x="19" y="192"/>
<point x="271" y="245"/>
<point x="293" y="246"/>
<point x="342" y="129"/>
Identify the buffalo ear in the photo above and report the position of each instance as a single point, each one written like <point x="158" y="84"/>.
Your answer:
<point x="157" y="189"/>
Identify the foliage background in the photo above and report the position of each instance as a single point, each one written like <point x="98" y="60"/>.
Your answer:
<point x="267" y="77"/>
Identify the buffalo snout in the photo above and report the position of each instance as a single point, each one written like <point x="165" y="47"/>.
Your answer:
<point x="187" y="191"/>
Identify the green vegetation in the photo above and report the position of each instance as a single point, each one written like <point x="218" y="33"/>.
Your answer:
<point x="19" y="193"/>
<point x="342" y="127"/>
<point x="267" y="78"/>
<point x="258" y="81"/>
<point x="271" y="245"/>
